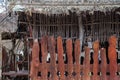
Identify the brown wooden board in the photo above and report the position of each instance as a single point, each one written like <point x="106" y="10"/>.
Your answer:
<point x="35" y="60"/>
<point x="70" y="59"/>
<point x="103" y="64"/>
<point x="112" y="57"/>
<point x="86" y="69"/>
<point x="95" y="58"/>
<point x="53" y="68"/>
<point x="77" y="60"/>
<point x="61" y="66"/>
<point x="72" y="69"/>
<point x="44" y="51"/>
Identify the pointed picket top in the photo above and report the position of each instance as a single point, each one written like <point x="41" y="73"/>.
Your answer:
<point x="69" y="50"/>
<point x="35" y="60"/>
<point x="112" y="55"/>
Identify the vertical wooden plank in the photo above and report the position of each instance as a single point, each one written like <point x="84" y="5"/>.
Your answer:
<point x="70" y="59"/>
<point x="44" y="57"/>
<point x="112" y="57"/>
<point x="35" y="60"/>
<point x="53" y="68"/>
<point x="103" y="64"/>
<point x="86" y="64"/>
<point x="60" y="58"/>
<point x="4" y="59"/>
<point x="95" y="58"/>
<point x="31" y="35"/>
<point x="12" y="60"/>
<point x="77" y="60"/>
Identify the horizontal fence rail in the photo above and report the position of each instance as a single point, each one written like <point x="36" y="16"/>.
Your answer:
<point x="66" y="63"/>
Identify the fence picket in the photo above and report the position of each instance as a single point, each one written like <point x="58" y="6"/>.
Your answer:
<point x="72" y="70"/>
<point x="44" y="51"/>
<point x="70" y="59"/>
<point x="77" y="60"/>
<point x="103" y="64"/>
<point x="35" y="60"/>
<point x="53" y="68"/>
<point x="112" y="57"/>
<point x="61" y="66"/>
<point x="87" y="64"/>
<point x="95" y="58"/>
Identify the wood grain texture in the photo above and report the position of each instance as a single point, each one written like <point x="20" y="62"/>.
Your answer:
<point x="53" y="68"/>
<point x="103" y="64"/>
<point x="112" y="57"/>
<point x="61" y="66"/>
<point x="70" y="59"/>
<point x="86" y="70"/>
<point x="57" y="71"/>
<point x="95" y="58"/>
<point x="77" y="59"/>
<point x="35" y="60"/>
<point x="44" y="51"/>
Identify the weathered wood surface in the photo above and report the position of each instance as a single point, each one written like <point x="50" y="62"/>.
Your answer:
<point x="65" y="61"/>
<point x="35" y="60"/>
<point x="96" y="62"/>
<point x="69" y="50"/>
<point x="61" y="66"/>
<point x="77" y="60"/>
<point x="4" y="59"/>
<point x="53" y="68"/>
<point x="44" y="51"/>
<point x="86" y="75"/>
<point x="103" y="64"/>
<point x="112" y="54"/>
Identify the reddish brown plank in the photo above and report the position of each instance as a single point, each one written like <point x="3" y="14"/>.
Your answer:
<point x="95" y="58"/>
<point x="112" y="57"/>
<point x="53" y="68"/>
<point x="86" y="64"/>
<point x="35" y="60"/>
<point x="70" y="59"/>
<point x="60" y="58"/>
<point x="44" y="51"/>
<point x="77" y="60"/>
<point x="103" y="64"/>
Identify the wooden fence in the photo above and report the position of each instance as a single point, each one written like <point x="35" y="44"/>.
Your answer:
<point x="71" y="68"/>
